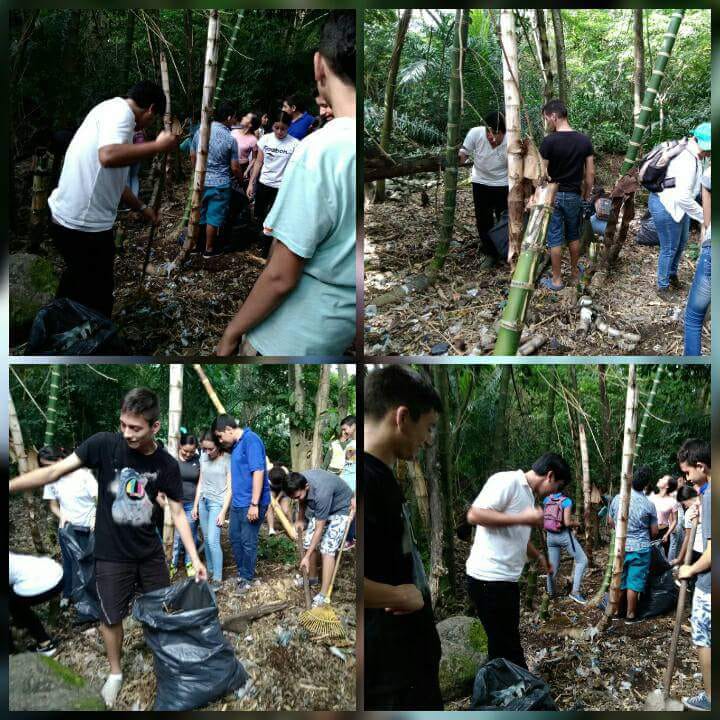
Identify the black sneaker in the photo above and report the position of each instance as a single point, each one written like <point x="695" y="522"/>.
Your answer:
<point x="47" y="649"/>
<point x="632" y="620"/>
<point x="663" y="293"/>
<point x="211" y="253"/>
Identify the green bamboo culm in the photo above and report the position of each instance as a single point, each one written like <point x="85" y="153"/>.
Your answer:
<point x="605" y="584"/>
<point x="218" y="89"/>
<point x="52" y="405"/>
<point x="643" y="120"/>
<point x="523" y="280"/>
<point x="452" y="144"/>
<point x="648" y="408"/>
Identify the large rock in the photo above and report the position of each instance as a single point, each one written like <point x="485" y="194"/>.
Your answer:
<point x="464" y="650"/>
<point x="41" y="683"/>
<point x="33" y="284"/>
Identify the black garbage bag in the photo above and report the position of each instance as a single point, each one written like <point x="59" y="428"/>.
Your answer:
<point x="660" y="596"/>
<point x="647" y="234"/>
<point x="194" y="663"/>
<point x="80" y="545"/>
<point x="499" y="234"/>
<point x="66" y="327"/>
<point x="658" y="562"/>
<point x="502" y="685"/>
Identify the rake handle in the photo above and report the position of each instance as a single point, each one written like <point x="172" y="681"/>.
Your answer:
<point x="306" y="584"/>
<point x="342" y="546"/>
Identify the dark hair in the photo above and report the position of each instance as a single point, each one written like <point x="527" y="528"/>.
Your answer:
<point x="552" y="461"/>
<point x="284" y="118"/>
<point x="145" y="94"/>
<point x="293" y="482"/>
<point x="337" y="44"/>
<point x="254" y="120"/>
<point x="188" y="439"/>
<point x="209" y="436"/>
<point x="296" y="101"/>
<point x="276" y="476"/>
<point x="642" y="477"/>
<point x="391" y="386"/>
<point x="686" y="492"/>
<point x="142" y="401"/>
<point x="51" y="453"/>
<point x="556" y="107"/>
<point x="221" y="422"/>
<point x="672" y="484"/>
<point x="495" y="121"/>
<point x="694" y="451"/>
<point x="349" y="420"/>
<point x="223" y="111"/>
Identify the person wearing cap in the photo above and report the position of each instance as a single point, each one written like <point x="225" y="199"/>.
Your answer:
<point x="673" y="207"/>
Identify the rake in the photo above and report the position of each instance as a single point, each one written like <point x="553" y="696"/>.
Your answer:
<point x="322" y="622"/>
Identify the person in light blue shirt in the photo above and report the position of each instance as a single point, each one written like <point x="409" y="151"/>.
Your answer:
<point x="304" y="302"/>
<point x="642" y="528"/>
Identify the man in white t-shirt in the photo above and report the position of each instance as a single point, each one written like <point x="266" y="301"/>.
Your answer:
<point x="93" y="181"/>
<point x="487" y="145"/>
<point x="304" y="302"/>
<point x="504" y="513"/>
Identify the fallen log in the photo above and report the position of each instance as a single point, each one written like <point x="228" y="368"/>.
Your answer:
<point x="379" y="169"/>
<point x="238" y="623"/>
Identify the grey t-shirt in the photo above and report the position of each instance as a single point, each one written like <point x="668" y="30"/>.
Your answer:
<point x="214" y="476"/>
<point x="328" y="495"/>
<point x="703" y="581"/>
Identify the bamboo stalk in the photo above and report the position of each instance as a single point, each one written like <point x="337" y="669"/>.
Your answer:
<point x="544" y="54"/>
<point x="174" y="418"/>
<point x="648" y="407"/>
<point x="587" y="490"/>
<point x="598" y="596"/>
<point x="522" y="284"/>
<point x="209" y="389"/>
<point x="51" y="420"/>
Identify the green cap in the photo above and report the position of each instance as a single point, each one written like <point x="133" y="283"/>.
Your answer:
<point x="703" y="135"/>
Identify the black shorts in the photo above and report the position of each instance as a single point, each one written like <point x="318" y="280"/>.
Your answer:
<point x="118" y="582"/>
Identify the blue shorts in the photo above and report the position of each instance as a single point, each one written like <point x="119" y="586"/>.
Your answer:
<point x="215" y="204"/>
<point x="565" y="220"/>
<point x="635" y="571"/>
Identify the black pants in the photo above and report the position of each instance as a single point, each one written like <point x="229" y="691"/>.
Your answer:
<point x="423" y="694"/>
<point x="23" y="615"/>
<point x="88" y="277"/>
<point x="264" y="200"/>
<point x="498" y="607"/>
<point x="490" y="203"/>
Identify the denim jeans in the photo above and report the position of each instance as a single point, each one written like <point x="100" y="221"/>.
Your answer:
<point x="179" y="551"/>
<point x="244" y="540"/>
<point x="698" y="302"/>
<point x="672" y="235"/>
<point x="67" y="566"/>
<point x="208" y="512"/>
<point x="565" y="220"/>
<point x="565" y="540"/>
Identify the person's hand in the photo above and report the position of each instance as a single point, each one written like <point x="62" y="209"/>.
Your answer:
<point x="664" y="538"/>
<point x="252" y="513"/>
<point x="251" y="191"/>
<point x="246" y="174"/>
<point x="166" y="141"/>
<point x="545" y="566"/>
<point x="200" y="571"/>
<point x="305" y="564"/>
<point x="220" y="521"/>
<point x="62" y="520"/>
<point x="299" y="527"/>
<point x="194" y="512"/>
<point x="692" y="512"/>
<point x="227" y="346"/>
<point x="409" y="600"/>
<point x="151" y="215"/>
<point x="685" y="572"/>
<point x="533" y="516"/>
<point x="675" y="562"/>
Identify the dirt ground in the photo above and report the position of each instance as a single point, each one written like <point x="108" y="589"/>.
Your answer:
<point x="614" y="671"/>
<point x="304" y="675"/>
<point x="456" y="316"/>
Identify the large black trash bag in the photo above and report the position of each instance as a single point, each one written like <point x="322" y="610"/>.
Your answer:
<point x="660" y="596"/>
<point x="500" y="234"/>
<point x="647" y="233"/>
<point x="80" y="544"/>
<point x="66" y="327"/>
<point x="194" y="663"/>
<point x="658" y="562"/>
<point x="502" y="685"/>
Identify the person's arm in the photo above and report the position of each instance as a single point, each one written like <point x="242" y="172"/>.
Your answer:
<point x="226" y="503"/>
<point x="701" y="565"/>
<point x="55" y="510"/>
<point x="395" y="598"/>
<point x="258" y="479"/>
<point x="707" y="216"/>
<point x="45" y="475"/>
<point x="257" y="167"/>
<point x="589" y="179"/>
<point x="124" y="154"/>
<point x="277" y="280"/>
<point x="132" y="201"/>
<point x="568" y="518"/>
<point x="196" y="502"/>
<point x="183" y="527"/>
<point x="672" y="525"/>
<point x="494" y="518"/>
<point x="236" y="171"/>
<point x="654" y="530"/>
<point x="680" y="559"/>
<point x="314" y="543"/>
<point x="534" y="554"/>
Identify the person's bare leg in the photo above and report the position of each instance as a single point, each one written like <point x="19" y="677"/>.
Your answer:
<point x="270" y="515"/>
<point x="328" y="565"/>
<point x="113" y="638"/>
<point x="632" y="601"/>
<point x="704" y="656"/>
<point x="210" y="234"/>
<point x="556" y="264"/>
<point x="621" y="604"/>
<point x="574" y="248"/>
<point x="313" y="573"/>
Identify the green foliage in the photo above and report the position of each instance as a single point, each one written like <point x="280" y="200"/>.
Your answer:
<point x="278" y="549"/>
<point x="477" y="639"/>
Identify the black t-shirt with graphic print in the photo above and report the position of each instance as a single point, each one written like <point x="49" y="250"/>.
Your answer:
<point x="128" y="483"/>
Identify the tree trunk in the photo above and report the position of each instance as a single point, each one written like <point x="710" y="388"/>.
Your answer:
<point x="587" y="495"/>
<point x="390" y="86"/>
<point x="127" y="53"/>
<point x="648" y="407"/>
<point x="544" y="54"/>
<point x="560" y="52"/>
<point x="343" y="395"/>
<point x="380" y="168"/>
<point x="173" y="442"/>
<point x="214" y="399"/>
<point x="500" y="432"/>
<point x="573" y="418"/>
<point x="25" y="465"/>
<point x="52" y="405"/>
<point x="606" y="427"/>
<point x="321" y="406"/>
<point x="437" y="530"/>
<point x="299" y="444"/>
<point x="414" y="469"/>
<point x="639" y="75"/>
<point x="631" y="402"/>
<point x="452" y="143"/>
<point x="524" y="276"/>
<point x="190" y="74"/>
<point x="511" y="87"/>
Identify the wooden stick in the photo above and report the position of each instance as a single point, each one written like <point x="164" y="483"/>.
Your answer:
<point x="209" y="389"/>
<point x="241" y="620"/>
<point x="287" y="526"/>
<point x="306" y="583"/>
<point x="342" y="546"/>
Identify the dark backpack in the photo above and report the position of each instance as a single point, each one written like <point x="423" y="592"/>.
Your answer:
<point x="553" y="515"/>
<point x="654" y="166"/>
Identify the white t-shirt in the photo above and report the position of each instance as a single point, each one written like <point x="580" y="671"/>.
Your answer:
<point x="277" y="155"/>
<point x="698" y="544"/>
<point x="489" y="163"/>
<point x="88" y="194"/>
<point x="77" y="494"/>
<point x="686" y="168"/>
<point x="31" y="576"/>
<point x="500" y="553"/>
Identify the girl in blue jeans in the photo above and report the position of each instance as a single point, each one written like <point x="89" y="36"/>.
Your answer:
<point x="673" y="237"/>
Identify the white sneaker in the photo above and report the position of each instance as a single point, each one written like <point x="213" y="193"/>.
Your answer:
<point x="111" y="688"/>
<point x="64" y="602"/>
<point x="319" y="600"/>
<point x="272" y="532"/>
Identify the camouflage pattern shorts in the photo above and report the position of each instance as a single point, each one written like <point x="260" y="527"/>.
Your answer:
<point x="332" y="534"/>
<point x="701" y="618"/>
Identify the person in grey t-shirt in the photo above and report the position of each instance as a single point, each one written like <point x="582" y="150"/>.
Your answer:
<point x="328" y="504"/>
<point x="694" y="461"/>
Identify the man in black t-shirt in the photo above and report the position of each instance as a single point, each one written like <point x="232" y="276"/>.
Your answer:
<point x="402" y="646"/>
<point x="132" y="469"/>
<point x="568" y="160"/>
